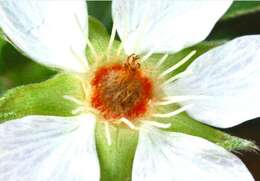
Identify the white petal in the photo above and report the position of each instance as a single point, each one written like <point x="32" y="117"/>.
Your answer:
<point x="49" y="32"/>
<point x="165" y="25"/>
<point x="172" y="156"/>
<point x="228" y="76"/>
<point x="44" y="148"/>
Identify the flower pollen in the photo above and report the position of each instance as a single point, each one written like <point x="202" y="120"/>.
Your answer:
<point x="121" y="90"/>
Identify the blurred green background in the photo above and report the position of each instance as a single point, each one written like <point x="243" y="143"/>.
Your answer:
<point x="243" y="18"/>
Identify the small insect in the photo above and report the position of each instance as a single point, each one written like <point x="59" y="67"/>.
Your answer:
<point x="132" y="63"/>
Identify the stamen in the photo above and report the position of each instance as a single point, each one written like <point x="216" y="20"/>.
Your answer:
<point x="73" y="99"/>
<point x="92" y="49"/>
<point x="111" y="40"/>
<point x="161" y="61"/>
<point x="128" y="123"/>
<point x="121" y="90"/>
<point x="157" y="124"/>
<point x="84" y="87"/>
<point x="79" y="25"/>
<point x="197" y="97"/>
<point x="143" y="26"/>
<point x="77" y="110"/>
<point x="147" y="56"/>
<point x="174" y="113"/>
<point x="119" y="50"/>
<point x="81" y="60"/>
<point x="176" y="99"/>
<point x="178" y="76"/>
<point x="177" y="65"/>
<point x="107" y="134"/>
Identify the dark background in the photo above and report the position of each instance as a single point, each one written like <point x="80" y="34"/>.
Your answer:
<point x="17" y="70"/>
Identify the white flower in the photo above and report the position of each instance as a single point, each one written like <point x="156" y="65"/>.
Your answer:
<point x="223" y="81"/>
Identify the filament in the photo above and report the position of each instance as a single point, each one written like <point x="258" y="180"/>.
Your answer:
<point x="79" y="24"/>
<point x="84" y="89"/>
<point x="157" y="124"/>
<point x="82" y="61"/>
<point x="148" y="55"/>
<point x="92" y="49"/>
<point x="107" y="134"/>
<point x="128" y="123"/>
<point x="143" y="26"/>
<point x="78" y="110"/>
<point x="111" y="40"/>
<point x="178" y="76"/>
<point x="176" y="99"/>
<point x="119" y="50"/>
<point x="174" y="113"/>
<point x="162" y="60"/>
<point x="177" y="65"/>
<point x="73" y="99"/>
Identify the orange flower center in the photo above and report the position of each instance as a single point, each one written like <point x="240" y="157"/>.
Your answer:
<point x="121" y="90"/>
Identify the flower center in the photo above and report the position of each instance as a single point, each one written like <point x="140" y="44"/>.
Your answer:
<point x="121" y="90"/>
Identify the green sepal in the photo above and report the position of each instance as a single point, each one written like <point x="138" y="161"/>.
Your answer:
<point x="44" y="98"/>
<point x="241" y="8"/>
<point x="116" y="159"/>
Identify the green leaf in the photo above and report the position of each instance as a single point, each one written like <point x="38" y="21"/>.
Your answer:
<point x="241" y="19"/>
<point x="2" y="86"/>
<point x="236" y="27"/>
<point x="242" y="8"/>
<point x="116" y="160"/>
<point x="16" y="69"/>
<point x="44" y="98"/>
